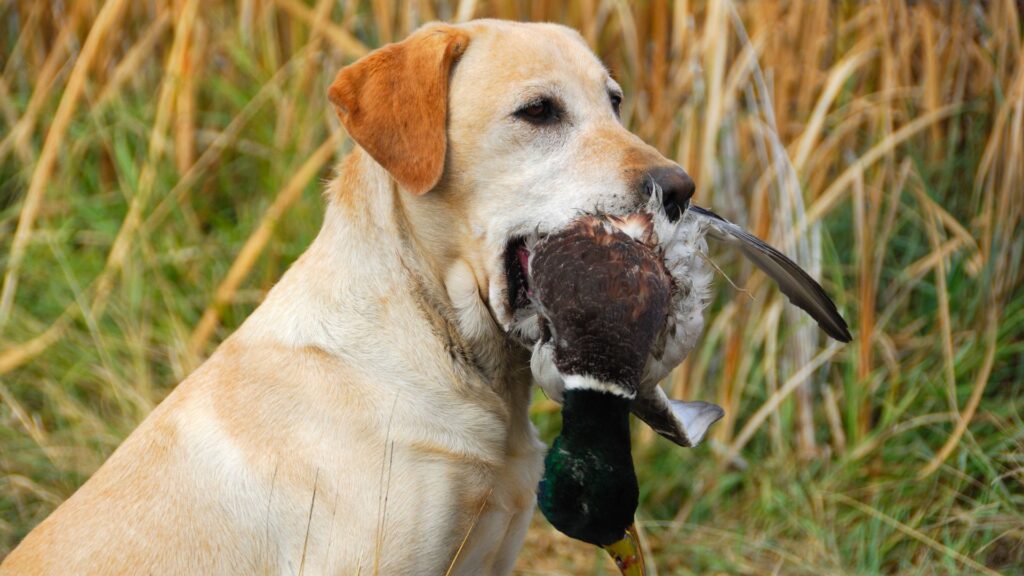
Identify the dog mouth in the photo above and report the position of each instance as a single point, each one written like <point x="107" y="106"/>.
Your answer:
<point x="517" y="274"/>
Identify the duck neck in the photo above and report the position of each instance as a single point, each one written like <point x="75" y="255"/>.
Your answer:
<point x="598" y="420"/>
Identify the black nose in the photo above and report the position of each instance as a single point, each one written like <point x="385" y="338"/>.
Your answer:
<point x="676" y="189"/>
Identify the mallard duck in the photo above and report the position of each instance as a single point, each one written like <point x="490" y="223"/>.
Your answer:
<point x="603" y="298"/>
<point x="616" y="303"/>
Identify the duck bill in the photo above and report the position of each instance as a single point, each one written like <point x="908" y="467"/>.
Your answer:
<point x="627" y="554"/>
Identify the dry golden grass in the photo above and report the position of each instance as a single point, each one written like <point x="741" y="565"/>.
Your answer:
<point x="159" y="168"/>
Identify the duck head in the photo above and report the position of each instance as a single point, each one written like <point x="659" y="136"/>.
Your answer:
<point x="589" y="489"/>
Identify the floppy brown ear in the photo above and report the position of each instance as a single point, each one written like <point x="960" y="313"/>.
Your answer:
<point x="394" y="103"/>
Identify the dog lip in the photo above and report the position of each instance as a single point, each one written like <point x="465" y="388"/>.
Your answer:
<point x="523" y="255"/>
<point x="517" y="258"/>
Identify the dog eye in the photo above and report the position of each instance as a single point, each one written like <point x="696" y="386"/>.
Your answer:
<point x="616" y="102"/>
<point x="539" y="112"/>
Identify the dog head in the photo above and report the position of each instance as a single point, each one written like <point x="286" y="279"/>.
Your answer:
<point x="499" y="130"/>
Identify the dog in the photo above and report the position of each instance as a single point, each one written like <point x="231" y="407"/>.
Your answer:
<point x="371" y="415"/>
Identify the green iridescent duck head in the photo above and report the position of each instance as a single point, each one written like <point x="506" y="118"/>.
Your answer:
<point x="589" y="489"/>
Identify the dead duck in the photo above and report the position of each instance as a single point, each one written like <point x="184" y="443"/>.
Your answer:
<point x="681" y="247"/>
<point x="602" y="298"/>
<point x="616" y="302"/>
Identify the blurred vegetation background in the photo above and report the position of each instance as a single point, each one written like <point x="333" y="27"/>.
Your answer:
<point x="161" y="163"/>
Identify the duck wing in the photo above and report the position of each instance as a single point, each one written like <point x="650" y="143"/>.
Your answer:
<point x="684" y="423"/>
<point x="795" y="283"/>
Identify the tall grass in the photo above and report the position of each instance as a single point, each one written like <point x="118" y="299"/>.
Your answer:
<point x="160" y="164"/>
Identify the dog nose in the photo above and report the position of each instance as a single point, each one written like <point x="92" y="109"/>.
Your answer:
<point x="676" y="189"/>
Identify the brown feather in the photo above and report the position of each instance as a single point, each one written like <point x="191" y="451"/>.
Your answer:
<point x="605" y="297"/>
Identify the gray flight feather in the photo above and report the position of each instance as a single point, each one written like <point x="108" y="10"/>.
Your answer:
<point x="795" y="283"/>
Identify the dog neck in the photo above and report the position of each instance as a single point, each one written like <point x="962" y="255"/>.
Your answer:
<point x="378" y="280"/>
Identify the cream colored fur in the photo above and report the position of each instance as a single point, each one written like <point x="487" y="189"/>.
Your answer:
<point x="372" y="413"/>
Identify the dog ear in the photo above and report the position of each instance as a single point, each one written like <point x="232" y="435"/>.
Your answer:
<point x="394" y="103"/>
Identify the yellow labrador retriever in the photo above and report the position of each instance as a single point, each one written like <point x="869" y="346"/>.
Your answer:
<point x="371" y="415"/>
